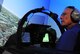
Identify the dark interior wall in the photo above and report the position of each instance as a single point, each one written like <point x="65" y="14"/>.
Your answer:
<point x="1" y="2"/>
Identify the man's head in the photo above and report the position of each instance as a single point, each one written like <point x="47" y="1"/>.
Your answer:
<point x="70" y="16"/>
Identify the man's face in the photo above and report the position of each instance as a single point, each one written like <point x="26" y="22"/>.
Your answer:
<point x="65" y="17"/>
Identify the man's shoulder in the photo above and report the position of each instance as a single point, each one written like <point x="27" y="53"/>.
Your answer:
<point x="75" y="28"/>
<point x="74" y="31"/>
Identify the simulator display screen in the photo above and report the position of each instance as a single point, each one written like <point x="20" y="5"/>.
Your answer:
<point x="11" y="11"/>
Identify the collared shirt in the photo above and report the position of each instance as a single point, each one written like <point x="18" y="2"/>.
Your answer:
<point x="68" y="39"/>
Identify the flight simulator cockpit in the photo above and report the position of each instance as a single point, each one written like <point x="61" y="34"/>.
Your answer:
<point x="29" y="36"/>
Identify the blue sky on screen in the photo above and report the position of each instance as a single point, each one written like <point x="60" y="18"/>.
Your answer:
<point x="20" y="7"/>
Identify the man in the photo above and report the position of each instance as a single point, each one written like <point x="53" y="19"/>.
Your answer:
<point x="69" y="20"/>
